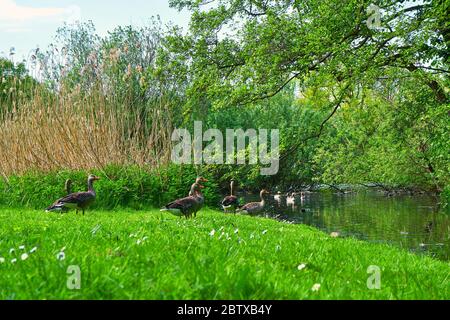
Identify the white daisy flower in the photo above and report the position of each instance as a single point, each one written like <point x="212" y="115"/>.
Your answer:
<point x="301" y="266"/>
<point x="212" y="233"/>
<point x="138" y="242"/>
<point x="12" y="250"/>
<point x="264" y="232"/>
<point x="33" y="250"/>
<point x="315" y="287"/>
<point x="22" y="247"/>
<point x="236" y="231"/>
<point x="2" y="260"/>
<point x="334" y="234"/>
<point x="14" y="260"/>
<point x="24" y="256"/>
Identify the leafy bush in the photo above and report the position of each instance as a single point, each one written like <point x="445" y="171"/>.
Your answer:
<point x="445" y="197"/>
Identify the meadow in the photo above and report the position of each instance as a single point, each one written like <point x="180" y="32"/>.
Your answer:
<point x="353" y="108"/>
<point x="127" y="254"/>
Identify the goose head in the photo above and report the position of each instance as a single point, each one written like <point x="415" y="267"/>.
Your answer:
<point x="263" y="193"/>
<point x="199" y="180"/>
<point x="92" y="178"/>
<point x="196" y="189"/>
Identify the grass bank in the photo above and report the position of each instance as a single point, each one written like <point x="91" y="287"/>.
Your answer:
<point x="153" y="255"/>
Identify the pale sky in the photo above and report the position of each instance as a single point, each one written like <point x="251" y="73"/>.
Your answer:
<point x="26" y="25"/>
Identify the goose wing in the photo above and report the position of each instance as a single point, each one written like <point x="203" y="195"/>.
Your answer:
<point x="252" y="206"/>
<point x="78" y="197"/>
<point x="183" y="204"/>
<point x="230" y="200"/>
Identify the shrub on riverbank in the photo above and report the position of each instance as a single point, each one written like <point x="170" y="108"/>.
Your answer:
<point x="445" y="197"/>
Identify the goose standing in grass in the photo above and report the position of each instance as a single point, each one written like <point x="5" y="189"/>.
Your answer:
<point x="187" y="206"/>
<point x="78" y="200"/>
<point x="197" y="193"/>
<point x="254" y="207"/>
<point x="231" y="202"/>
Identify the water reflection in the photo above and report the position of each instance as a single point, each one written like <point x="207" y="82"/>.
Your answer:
<point x="412" y="222"/>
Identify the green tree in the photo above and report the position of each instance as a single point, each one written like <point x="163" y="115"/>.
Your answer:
<point x="241" y="51"/>
<point x="16" y="85"/>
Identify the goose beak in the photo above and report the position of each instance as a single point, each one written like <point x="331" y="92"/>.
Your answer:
<point x="200" y="186"/>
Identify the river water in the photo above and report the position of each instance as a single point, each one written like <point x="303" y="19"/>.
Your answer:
<point x="412" y="222"/>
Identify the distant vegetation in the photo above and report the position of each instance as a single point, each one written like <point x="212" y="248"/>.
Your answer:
<point x="353" y="105"/>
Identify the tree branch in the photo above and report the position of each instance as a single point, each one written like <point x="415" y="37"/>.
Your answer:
<point x="337" y="105"/>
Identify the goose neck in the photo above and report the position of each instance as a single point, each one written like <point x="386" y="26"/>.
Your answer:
<point x="91" y="186"/>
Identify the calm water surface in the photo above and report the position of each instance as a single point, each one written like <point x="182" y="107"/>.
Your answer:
<point x="411" y="222"/>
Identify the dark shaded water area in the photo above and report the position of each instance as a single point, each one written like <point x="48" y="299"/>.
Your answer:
<point x="412" y="222"/>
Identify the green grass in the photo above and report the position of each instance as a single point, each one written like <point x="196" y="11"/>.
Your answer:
<point x="254" y="258"/>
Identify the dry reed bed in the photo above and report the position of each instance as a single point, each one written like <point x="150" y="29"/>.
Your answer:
<point x="74" y="132"/>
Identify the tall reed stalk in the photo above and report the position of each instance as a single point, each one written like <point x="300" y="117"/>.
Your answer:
<point x="78" y="130"/>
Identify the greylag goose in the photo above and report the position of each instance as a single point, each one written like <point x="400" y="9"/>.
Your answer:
<point x="231" y="202"/>
<point x="279" y="198"/>
<point x="290" y="198"/>
<point x="254" y="207"/>
<point x="187" y="206"/>
<point x="78" y="200"/>
<point x="293" y="197"/>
